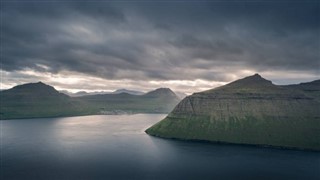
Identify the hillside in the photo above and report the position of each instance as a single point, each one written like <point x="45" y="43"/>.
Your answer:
<point x="310" y="88"/>
<point x="38" y="100"/>
<point x="84" y="93"/>
<point x="251" y="110"/>
<point x="133" y="92"/>
<point x="161" y="100"/>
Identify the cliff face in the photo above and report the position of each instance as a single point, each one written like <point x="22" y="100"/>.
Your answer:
<point x="248" y="111"/>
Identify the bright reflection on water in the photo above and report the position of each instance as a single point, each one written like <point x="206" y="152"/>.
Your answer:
<point x="116" y="147"/>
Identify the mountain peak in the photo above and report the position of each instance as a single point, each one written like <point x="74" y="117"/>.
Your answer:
<point x="247" y="84"/>
<point x="37" y="84"/>
<point x="163" y="89"/>
<point x="254" y="80"/>
<point x="36" y="88"/>
<point x="161" y="92"/>
<point x="248" y="111"/>
<point x="256" y="75"/>
<point x="132" y="92"/>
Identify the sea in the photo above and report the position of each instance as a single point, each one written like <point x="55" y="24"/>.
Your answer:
<point x="111" y="147"/>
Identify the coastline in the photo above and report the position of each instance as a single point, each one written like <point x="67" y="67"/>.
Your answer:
<point x="62" y="116"/>
<point x="236" y="144"/>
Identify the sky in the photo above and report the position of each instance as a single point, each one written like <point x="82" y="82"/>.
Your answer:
<point x="188" y="45"/>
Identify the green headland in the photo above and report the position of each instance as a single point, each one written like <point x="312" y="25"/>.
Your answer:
<point x="251" y="111"/>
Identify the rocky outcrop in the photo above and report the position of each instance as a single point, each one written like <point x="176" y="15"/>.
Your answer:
<point x="247" y="111"/>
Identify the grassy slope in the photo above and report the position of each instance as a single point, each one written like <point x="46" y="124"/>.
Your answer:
<point x="131" y="103"/>
<point x="19" y="105"/>
<point x="246" y="112"/>
<point x="285" y="132"/>
<point x="311" y="89"/>
<point x="40" y="100"/>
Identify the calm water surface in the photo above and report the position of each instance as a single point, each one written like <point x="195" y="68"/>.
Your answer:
<point x="116" y="147"/>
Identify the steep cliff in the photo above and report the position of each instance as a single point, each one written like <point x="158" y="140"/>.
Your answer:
<point x="247" y="111"/>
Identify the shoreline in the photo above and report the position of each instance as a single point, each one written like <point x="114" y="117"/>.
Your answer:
<point x="47" y="117"/>
<point x="236" y="144"/>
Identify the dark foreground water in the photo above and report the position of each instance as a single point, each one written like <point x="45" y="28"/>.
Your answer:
<point x="116" y="147"/>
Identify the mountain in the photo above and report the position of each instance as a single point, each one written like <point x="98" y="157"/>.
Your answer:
<point x="40" y="100"/>
<point x="84" y="93"/>
<point x="118" y="91"/>
<point x="251" y="111"/>
<point x="38" y="88"/>
<point x="66" y="92"/>
<point x="161" y="92"/>
<point x="158" y="101"/>
<point x="37" y="100"/>
<point x="80" y="93"/>
<point x="161" y="100"/>
<point x="181" y="95"/>
<point x="309" y="88"/>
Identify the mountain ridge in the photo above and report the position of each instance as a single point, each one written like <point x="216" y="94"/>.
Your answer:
<point x="41" y="100"/>
<point x="244" y="113"/>
<point x="133" y="92"/>
<point x="38" y="87"/>
<point x="311" y="89"/>
<point x="37" y="100"/>
<point x="161" y="92"/>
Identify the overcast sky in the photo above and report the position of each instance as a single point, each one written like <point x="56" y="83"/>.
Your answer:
<point x="188" y="46"/>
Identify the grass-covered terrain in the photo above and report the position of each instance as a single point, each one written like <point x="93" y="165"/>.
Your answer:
<point x="40" y="100"/>
<point x="248" y="111"/>
<point x="161" y="100"/>
<point x="310" y="88"/>
<point x="301" y="133"/>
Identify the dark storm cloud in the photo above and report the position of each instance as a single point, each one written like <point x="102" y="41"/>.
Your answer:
<point x="160" y="40"/>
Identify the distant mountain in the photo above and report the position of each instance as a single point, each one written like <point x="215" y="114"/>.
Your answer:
<point x="181" y="95"/>
<point x="66" y="92"/>
<point x="161" y="92"/>
<point x="251" y="110"/>
<point x="37" y="100"/>
<point x="81" y="93"/>
<point x="84" y="93"/>
<point x="158" y="101"/>
<point x="33" y="89"/>
<point x="162" y="99"/>
<point x="118" y="91"/>
<point x="41" y="100"/>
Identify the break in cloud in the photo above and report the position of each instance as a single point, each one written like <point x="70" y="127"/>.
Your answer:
<point x="185" y="45"/>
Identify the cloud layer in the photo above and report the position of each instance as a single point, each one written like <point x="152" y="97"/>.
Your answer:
<point x="162" y="42"/>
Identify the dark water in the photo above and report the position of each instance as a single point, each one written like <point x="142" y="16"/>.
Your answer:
<point x="116" y="147"/>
